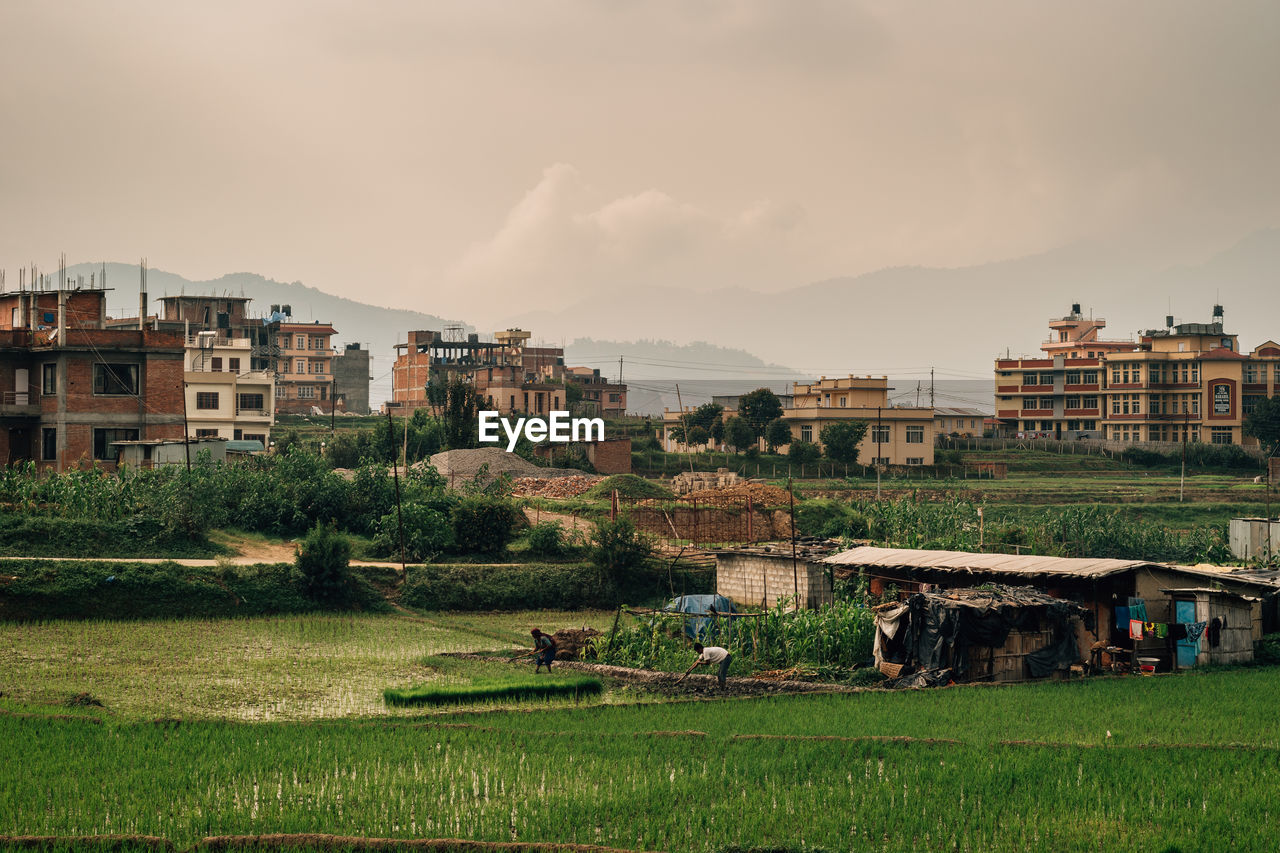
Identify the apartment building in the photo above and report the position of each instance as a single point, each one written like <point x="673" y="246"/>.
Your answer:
<point x="226" y="399"/>
<point x="304" y="376"/>
<point x="1184" y="382"/>
<point x="70" y="388"/>
<point x="599" y="395"/>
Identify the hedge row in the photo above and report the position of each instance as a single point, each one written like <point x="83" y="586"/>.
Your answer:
<point x="33" y="590"/>
<point x="50" y="536"/>
<point x="517" y="587"/>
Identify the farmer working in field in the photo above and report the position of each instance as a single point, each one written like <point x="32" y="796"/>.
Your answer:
<point x="710" y="655"/>
<point x="544" y="646"/>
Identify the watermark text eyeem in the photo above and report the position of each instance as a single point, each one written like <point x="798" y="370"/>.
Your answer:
<point x="558" y="428"/>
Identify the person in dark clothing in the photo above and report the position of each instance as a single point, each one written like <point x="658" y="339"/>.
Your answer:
<point x="544" y="646"/>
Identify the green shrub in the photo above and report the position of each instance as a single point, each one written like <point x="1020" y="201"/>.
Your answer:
<point x="832" y="518"/>
<point x="619" y="550"/>
<point x="483" y="524"/>
<point x="547" y="540"/>
<point x="427" y="533"/>
<point x="1267" y="650"/>
<point x="324" y="559"/>
<point x="803" y="452"/>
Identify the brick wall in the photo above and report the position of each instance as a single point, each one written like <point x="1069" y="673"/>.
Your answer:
<point x="711" y="524"/>
<point x="611" y="456"/>
<point x="761" y="579"/>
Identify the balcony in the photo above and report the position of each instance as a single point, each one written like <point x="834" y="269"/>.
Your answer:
<point x="19" y="404"/>
<point x="253" y="414"/>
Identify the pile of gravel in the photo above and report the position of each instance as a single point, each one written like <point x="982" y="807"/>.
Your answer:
<point x="459" y="467"/>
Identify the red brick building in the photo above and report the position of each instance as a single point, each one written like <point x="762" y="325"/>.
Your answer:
<point x="70" y="388"/>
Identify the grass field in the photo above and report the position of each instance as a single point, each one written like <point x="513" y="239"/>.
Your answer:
<point x="1192" y="761"/>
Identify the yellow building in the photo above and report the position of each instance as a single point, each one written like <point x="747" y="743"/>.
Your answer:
<point x="895" y="435"/>
<point x="1185" y="382"/>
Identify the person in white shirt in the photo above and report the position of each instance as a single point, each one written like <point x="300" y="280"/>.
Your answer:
<point x="712" y="655"/>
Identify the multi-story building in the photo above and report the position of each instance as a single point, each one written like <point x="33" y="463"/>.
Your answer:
<point x="963" y="422"/>
<point x="896" y="435"/>
<point x="304" y="376"/>
<point x="1185" y="382"/>
<point x="70" y="388"/>
<point x="351" y="379"/>
<point x="509" y="374"/>
<point x="226" y="399"/>
<point x="599" y="395"/>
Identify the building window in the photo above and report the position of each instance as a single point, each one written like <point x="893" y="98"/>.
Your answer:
<point x="1089" y="402"/>
<point x="880" y="460"/>
<point x="915" y="460"/>
<point x="233" y="364"/>
<point x="104" y="439"/>
<point x="806" y="433"/>
<point x="615" y="398"/>
<point x="1089" y="377"/>
<point x="282" y="391"/>
<point x="1220" y="435"/>
<point x="206" y="399"/>
<point x="915" y="435"/>
<point x="1089" y="425"/>
<point x="49" y="444"/>
<point x="1073" y="403"/>
<point x="215" y="364"/>
<point x="49" y="378"/>
<point x="301" y="366"/>
<point x="1073" y="377"/>
<point x="880" y="434"/>
<point x="1046" y="402"/>
<point x="115" y="379"/>
<point x="206" y="433"/>
<point x="1249" y="403"/>
<point x="301" y="342"/>
<point x="306" y="392"/>
<point x="250" y="401"/>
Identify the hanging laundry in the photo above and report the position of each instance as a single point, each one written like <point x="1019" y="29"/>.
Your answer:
<point x="1178" y="631"/>
<point x="1135" y="629"/>
<point x="1138" y="608"/>
<point x="1162" y="630"/>
<point x="1122" y="617"/>
<point x="1148" y="627"/>
<point x="1215" y="632"/>
<point x="1194" y="630"/>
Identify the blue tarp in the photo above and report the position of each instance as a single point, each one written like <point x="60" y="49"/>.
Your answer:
<point x="697" y="629"/>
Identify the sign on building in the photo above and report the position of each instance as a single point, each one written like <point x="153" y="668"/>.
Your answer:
<point x="1222" y="399"/>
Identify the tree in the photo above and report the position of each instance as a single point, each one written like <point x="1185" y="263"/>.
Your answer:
<point x="461" y="414"/>
<point x="759" y="409"/>
<point x="738" y="434"/>
<point x="841" y="440"/>
<point x="717" y="431"/>
<point x="705" y="415"/>
<point x="698" y="435"/>
<point x="1264" y="424"/>
<point x="777" y="434"/>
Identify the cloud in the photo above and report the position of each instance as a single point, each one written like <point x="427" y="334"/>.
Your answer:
<point x="562" y="240"/>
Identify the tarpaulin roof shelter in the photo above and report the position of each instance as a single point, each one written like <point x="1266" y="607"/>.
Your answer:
<point x="981" y="564"/>
<point x="934" y="631"/>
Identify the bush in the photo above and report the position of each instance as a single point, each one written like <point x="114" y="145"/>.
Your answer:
<point x="547" y="540"/>
<point x="427" y="533"/>
<point x="483" y="525"/>
<point x="324" y="559"/>
<point x="831" y="518"/>
<point x="619" y="550"/>
<point x="803" y="452"/>
<point x="628" y="486"/>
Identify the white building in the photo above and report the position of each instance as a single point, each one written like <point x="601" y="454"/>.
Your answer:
<point x="225" y="399"/>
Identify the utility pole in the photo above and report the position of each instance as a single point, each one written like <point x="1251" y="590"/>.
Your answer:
<point x="619" y="370"/>
<point x="931" y="387"/>
<point x="879" y="437"/>
<point x="1182" y="480"/>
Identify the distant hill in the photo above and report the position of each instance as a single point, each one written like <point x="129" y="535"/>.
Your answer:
<point x="379" y="329"/>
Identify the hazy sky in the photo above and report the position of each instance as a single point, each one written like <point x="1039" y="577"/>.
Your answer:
<point x="476" y="159"/>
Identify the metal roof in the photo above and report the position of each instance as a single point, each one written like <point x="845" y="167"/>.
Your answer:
<point x="964" y="561"/>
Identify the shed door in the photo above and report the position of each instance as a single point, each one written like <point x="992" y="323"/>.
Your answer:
<point x="1185" y="612"/>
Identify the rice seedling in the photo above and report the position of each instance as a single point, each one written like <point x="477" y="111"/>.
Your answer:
<point x="517" y="689"/>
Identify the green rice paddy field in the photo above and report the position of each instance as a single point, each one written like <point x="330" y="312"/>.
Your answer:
<point x="1192" y="761"/>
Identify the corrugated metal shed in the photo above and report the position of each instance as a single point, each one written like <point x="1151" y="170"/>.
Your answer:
<point x="970" y="563"/>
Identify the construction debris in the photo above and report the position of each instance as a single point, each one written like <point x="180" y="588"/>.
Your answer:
<point x="693" y="481"/>
<point x="761" y="495"/>
<point x="461" y="467"/>
<point x="570" y="486"/>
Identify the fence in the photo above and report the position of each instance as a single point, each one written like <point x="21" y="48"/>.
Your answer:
<point x="1082" y="447"/>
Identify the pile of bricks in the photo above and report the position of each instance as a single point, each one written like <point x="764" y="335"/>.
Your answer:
<point x="761" y="495"/>
<point x="693" y="481"/>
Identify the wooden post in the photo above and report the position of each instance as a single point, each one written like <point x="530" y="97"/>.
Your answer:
<point x="750" y="522"/>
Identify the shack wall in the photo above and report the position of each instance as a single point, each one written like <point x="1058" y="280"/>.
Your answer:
<point x="762" y="579"/>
